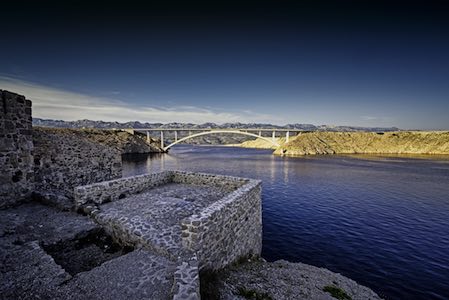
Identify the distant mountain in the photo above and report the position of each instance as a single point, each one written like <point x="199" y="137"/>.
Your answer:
<point x="209" y="139"/>
<point x="136" y="124"/>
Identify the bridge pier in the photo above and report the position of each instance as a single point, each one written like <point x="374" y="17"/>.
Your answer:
<point x="162" y="139"/>
<point x="148" y="137"/>
<point x="273" y="136"/>
<point x="260" y="133"/>
<point x="176" y="136"/>
<point x="287" y="136"/>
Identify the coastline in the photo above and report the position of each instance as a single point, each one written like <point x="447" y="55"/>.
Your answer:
<point x="354" y="143"/>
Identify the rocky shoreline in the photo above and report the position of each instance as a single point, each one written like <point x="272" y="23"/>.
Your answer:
<point x="400" y="142"/>
<point x="258" y="279"/>
<point x="325" y="143"/>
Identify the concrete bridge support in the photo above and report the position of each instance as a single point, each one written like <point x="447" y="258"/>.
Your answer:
<point x="273" y="137"/>
<point x="287" y="136"/>
<point x="148" y="137"/>
<point x="176" y="136"/>
<point x="162" y="139"/>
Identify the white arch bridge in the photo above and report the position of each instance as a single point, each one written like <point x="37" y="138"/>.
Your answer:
<point x="196" y="132"/>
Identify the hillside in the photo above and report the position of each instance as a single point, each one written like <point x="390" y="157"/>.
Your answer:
<point x="261" y="144"/>
<point x="121" y="140"/>
<point x="404" y="142"/>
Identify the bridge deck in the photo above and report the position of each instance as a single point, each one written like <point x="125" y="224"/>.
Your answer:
<point x="219" y="129"/>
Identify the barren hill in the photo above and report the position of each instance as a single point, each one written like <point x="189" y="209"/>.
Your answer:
<point x="403" y="142"/>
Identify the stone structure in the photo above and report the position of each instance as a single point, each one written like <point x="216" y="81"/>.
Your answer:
<point x="49" y="163"/>
<point x="16" y="149"/>
<point x="228" y="229"/>
<point x="200" y="221"/>
<point x="113" y="190"/>
<point x="66" y="159"/>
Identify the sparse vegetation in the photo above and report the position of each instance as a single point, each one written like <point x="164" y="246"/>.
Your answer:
<point x="403" y="142"/>
<point x="336" y="292"/>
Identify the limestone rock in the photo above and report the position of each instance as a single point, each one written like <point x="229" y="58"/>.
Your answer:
<point x="402" y="142"/>
<point x="280" y="280"/>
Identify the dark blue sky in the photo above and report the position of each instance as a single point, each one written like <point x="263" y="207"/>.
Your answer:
<point x="342" y="62"/>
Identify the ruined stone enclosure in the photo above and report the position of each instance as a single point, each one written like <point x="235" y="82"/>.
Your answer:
<point x="179" y="214"/>
<point x="144" y="237"/>
<point x="195" y="221"/>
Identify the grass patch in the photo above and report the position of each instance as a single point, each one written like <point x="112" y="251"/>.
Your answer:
<point x="252" y="294"/>
<point x="336" y="292"/>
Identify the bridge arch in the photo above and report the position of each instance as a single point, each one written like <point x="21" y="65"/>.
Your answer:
<point x="222" y="131"/>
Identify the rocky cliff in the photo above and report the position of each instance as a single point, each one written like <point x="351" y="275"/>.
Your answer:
<point x="126" y="142"/>
<point x="403" y="142"/>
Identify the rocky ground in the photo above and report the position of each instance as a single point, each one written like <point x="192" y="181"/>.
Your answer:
<point x="281" y="280"/>
<point x="49" y="254"/>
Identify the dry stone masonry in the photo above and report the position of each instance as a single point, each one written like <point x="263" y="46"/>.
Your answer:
<point x="201" y="221"/>
<point x="16" y="149"/>
<point x="46" y="162"/>
<point x="226" y="230"/>
<point x="64" y="159"/>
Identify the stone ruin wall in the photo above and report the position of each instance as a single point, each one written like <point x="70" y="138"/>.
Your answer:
<point x="98" y="193"/>
<point x="101" y="192"/>
<point x="47" y="162"/>
<point x="16" y="149"/>
<point x="227" y="230"/>
<point x="65" y="159"/>
<point x="222" y="233"/>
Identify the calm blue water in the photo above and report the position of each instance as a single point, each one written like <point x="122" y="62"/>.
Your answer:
<point x="383" y="222"/>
